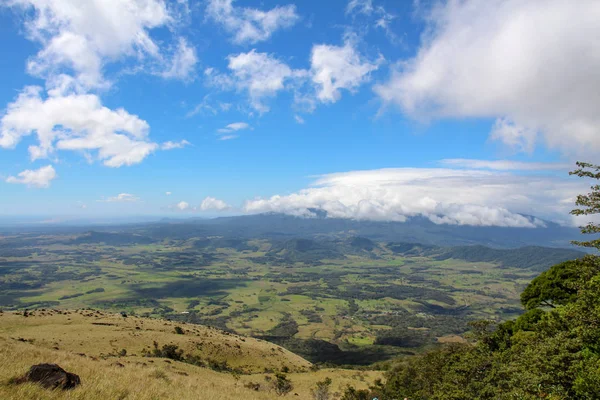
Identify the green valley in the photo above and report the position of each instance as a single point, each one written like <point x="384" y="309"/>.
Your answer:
<point x="345" y="300"/>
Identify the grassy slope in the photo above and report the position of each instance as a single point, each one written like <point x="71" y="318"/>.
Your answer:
<point x="75" y="343"/>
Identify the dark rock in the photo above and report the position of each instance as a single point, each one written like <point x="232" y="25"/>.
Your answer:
<point x="51" y="376"/>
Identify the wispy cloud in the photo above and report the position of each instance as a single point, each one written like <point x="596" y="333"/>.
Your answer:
<point x="182" y="64"/>
<point x="121" y="198"/>
<point x="170" y="145"/>
<point x="251" y="25"/>
<point x="226" y="133"/>
<point x="40" y="178"/>
<point x="209" y="107"/>
<point x="236" y="126"/>
<point x="228" y="137"/>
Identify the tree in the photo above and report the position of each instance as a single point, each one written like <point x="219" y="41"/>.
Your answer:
<point x="353" y="394"/>
<point x="589" y="203"/>
<point x="282" y="385"/>
<point x="553" y="287"/>
<point x="321" y="391"/>
<point x="560" y="284"/>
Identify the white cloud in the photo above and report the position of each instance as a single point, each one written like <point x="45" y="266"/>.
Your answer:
<point x="170" y="145"/>
<point x="39" y="178"/>
<point x="75" y="122"/>
<point x="250" y="25"/>
<point x="528" y="63"/>
<point x="183" y="62"/>
<point x="263" y="76"/>
<point x="208" y="107"/>
<point x="210" y="203"/>
<point x="228" y="137"/>
<point x="339" y="67"/>
<point x="360" y="7"/>
<point x="299" y="119"/>
<point x="83" y="36"/>
<point x="450" y="196"/>
<point x="382" y="18"/>
<point x="183" y="206"/>
<point x="121" y="198"/>
<point x="78" y="40"/>
<point x="168" y="193"/>
<point x="236" y="126"/>
<point x="505" y="165"/>
<point x="383" y="22"/>
<point x="260" y="75"/>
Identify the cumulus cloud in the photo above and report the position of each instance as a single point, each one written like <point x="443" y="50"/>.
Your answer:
<point x="83" y="36"/>
<point x="260" y="75"/>
<point x="183" y="206"/>
<point x="170" y="145"/>
<point x="528" y="63"/>
<point x="78" y="40"/>
<point x="39" y="178"/>
<point x="75" y="122"/>
<point x="443" y="195"/>
<point x="339" y="67"/>
<point x="250" y="25"/>
<point x="121" y="198"/>
<point x="212" y="204"/>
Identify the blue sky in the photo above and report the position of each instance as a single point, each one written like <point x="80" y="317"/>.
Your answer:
<point x="135" y="98"/>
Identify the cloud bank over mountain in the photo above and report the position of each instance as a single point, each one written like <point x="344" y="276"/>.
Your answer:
<point x="443" y="195"/>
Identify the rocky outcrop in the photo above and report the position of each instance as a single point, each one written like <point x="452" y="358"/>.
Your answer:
<point x="51" y="376"/>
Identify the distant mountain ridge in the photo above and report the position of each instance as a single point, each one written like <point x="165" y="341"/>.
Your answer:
<point x="314" y="250"/>
<point x="415" y="230"/>
<point x="282" y="226"/>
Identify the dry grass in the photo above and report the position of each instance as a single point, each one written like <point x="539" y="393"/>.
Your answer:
<point x="82" y="349"/>
<point x="97" y="334"/>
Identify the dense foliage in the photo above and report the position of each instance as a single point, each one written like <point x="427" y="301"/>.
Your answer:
<point x="588" y="204"/>
<point x="551" y="353"/>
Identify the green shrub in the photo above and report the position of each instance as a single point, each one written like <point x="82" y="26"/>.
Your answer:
<point x="282" y="385"/>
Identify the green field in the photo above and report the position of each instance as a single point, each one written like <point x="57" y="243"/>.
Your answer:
<point x="372" y="300"/>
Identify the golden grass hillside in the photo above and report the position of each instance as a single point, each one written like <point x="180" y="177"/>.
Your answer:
<point x="90" y="343"/>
